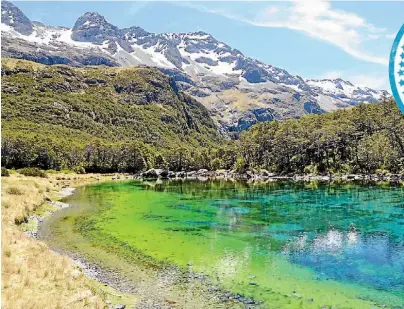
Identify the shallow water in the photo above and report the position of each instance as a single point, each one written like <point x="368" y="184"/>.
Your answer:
<point x="287" y="245"/>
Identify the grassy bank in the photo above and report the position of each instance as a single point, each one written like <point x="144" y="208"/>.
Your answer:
<point x="32" y="275"/>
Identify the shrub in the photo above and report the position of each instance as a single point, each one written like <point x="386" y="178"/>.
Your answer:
<point x="240" y="165"/>
<point x="52" y="171"/>
<point x="20" y="220"/>
<point x="216" y="163"/>
<point x="14" y="191"/>
<point x="32" y="171"/>
<point x="310" y="169"/>
<point x="4" y="172"/>
<point x="382" y="171"/>
<point x="79" y="170"/>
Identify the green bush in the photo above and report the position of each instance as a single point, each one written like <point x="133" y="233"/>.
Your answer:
<point x="14" y="191"/>
<point x="32" y="171"/>
<point x="382" y="171"/>
<point x="79" y="170"/>
<point x="20" y="220"/>
<point x="240" y="165"/>
<point x="216" y="163"/>
<point x="310" y="169"/>
<point x="4" y="172"/>
<point x="52" y="171"/>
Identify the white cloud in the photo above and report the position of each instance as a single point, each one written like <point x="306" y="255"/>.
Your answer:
<point x="391" y="35"/>
<point x="319" y="20"/>
<point x="272" y="10"/>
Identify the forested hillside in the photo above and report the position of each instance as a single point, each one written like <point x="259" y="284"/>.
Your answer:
<point x="366" y="139"/>
<point x="131" y="119"/>
<point x="103" y="119"/>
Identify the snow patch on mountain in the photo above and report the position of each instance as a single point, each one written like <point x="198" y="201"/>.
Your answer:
<point x="346" y="91"/>
<point x="42" y="35"/>
<point x="233" y="86"/>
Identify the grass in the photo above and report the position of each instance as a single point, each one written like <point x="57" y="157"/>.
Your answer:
<point x="32" y="171"/>
<point x="14" y="191"/>
<point x="33" y="276"/>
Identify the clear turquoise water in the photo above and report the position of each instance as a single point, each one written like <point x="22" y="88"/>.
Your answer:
<point x="290" y="245"/>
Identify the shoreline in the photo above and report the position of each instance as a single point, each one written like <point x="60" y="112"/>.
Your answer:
<point x="112" y="277"/>
<point x="263" y="175"/>
<point x="91" y="271"/>
<point x="33" y="275"/>
<point x="36" y="220"/>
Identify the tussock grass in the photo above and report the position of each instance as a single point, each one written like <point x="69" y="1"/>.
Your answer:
<point x="32" y="275"/>
<point x="32" y="171"/>
<point x="14" y="191"/>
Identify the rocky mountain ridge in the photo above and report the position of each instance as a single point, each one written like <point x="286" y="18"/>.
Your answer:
<point x="237" y="90"/>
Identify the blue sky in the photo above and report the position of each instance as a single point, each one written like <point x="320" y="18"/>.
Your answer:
<point x="312" y="39"/>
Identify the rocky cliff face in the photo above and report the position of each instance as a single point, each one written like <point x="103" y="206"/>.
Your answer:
<point x="13" y="17"/>
<point x="238" y="90"/>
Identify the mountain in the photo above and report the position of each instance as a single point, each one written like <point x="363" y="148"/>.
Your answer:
<point x="13" y="17"/>
<point x="237" y="90"/>
<point x="61" y="115"/>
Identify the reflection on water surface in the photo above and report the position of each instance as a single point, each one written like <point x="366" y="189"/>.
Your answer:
<point x="342" y="239"/>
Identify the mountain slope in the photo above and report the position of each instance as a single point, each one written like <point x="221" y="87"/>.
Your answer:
<point x="238" y="90"/>
<point x="57" y="111"/>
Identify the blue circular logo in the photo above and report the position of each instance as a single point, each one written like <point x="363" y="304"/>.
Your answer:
<point x="396" y="69"/>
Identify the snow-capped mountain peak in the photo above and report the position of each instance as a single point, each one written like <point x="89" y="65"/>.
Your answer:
<point x="237" y="89"/>
<point x="346" y="91"/>
<point x="12" y="16"/>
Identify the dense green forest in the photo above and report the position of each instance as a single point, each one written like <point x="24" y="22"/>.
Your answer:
<point x="365" y="139"/>
<point x="102" y="119"/>
<point x="128" y="120"/>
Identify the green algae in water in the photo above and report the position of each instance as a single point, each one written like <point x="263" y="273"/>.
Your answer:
<point x="289" y="245"/>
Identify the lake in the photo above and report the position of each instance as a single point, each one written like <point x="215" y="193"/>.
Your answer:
<point x="280" y="244"/>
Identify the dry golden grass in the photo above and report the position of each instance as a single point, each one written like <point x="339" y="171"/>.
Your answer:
<point x="234" y="98"/>
<point x="13" y="63"/>
<point x="32" y="275"/>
